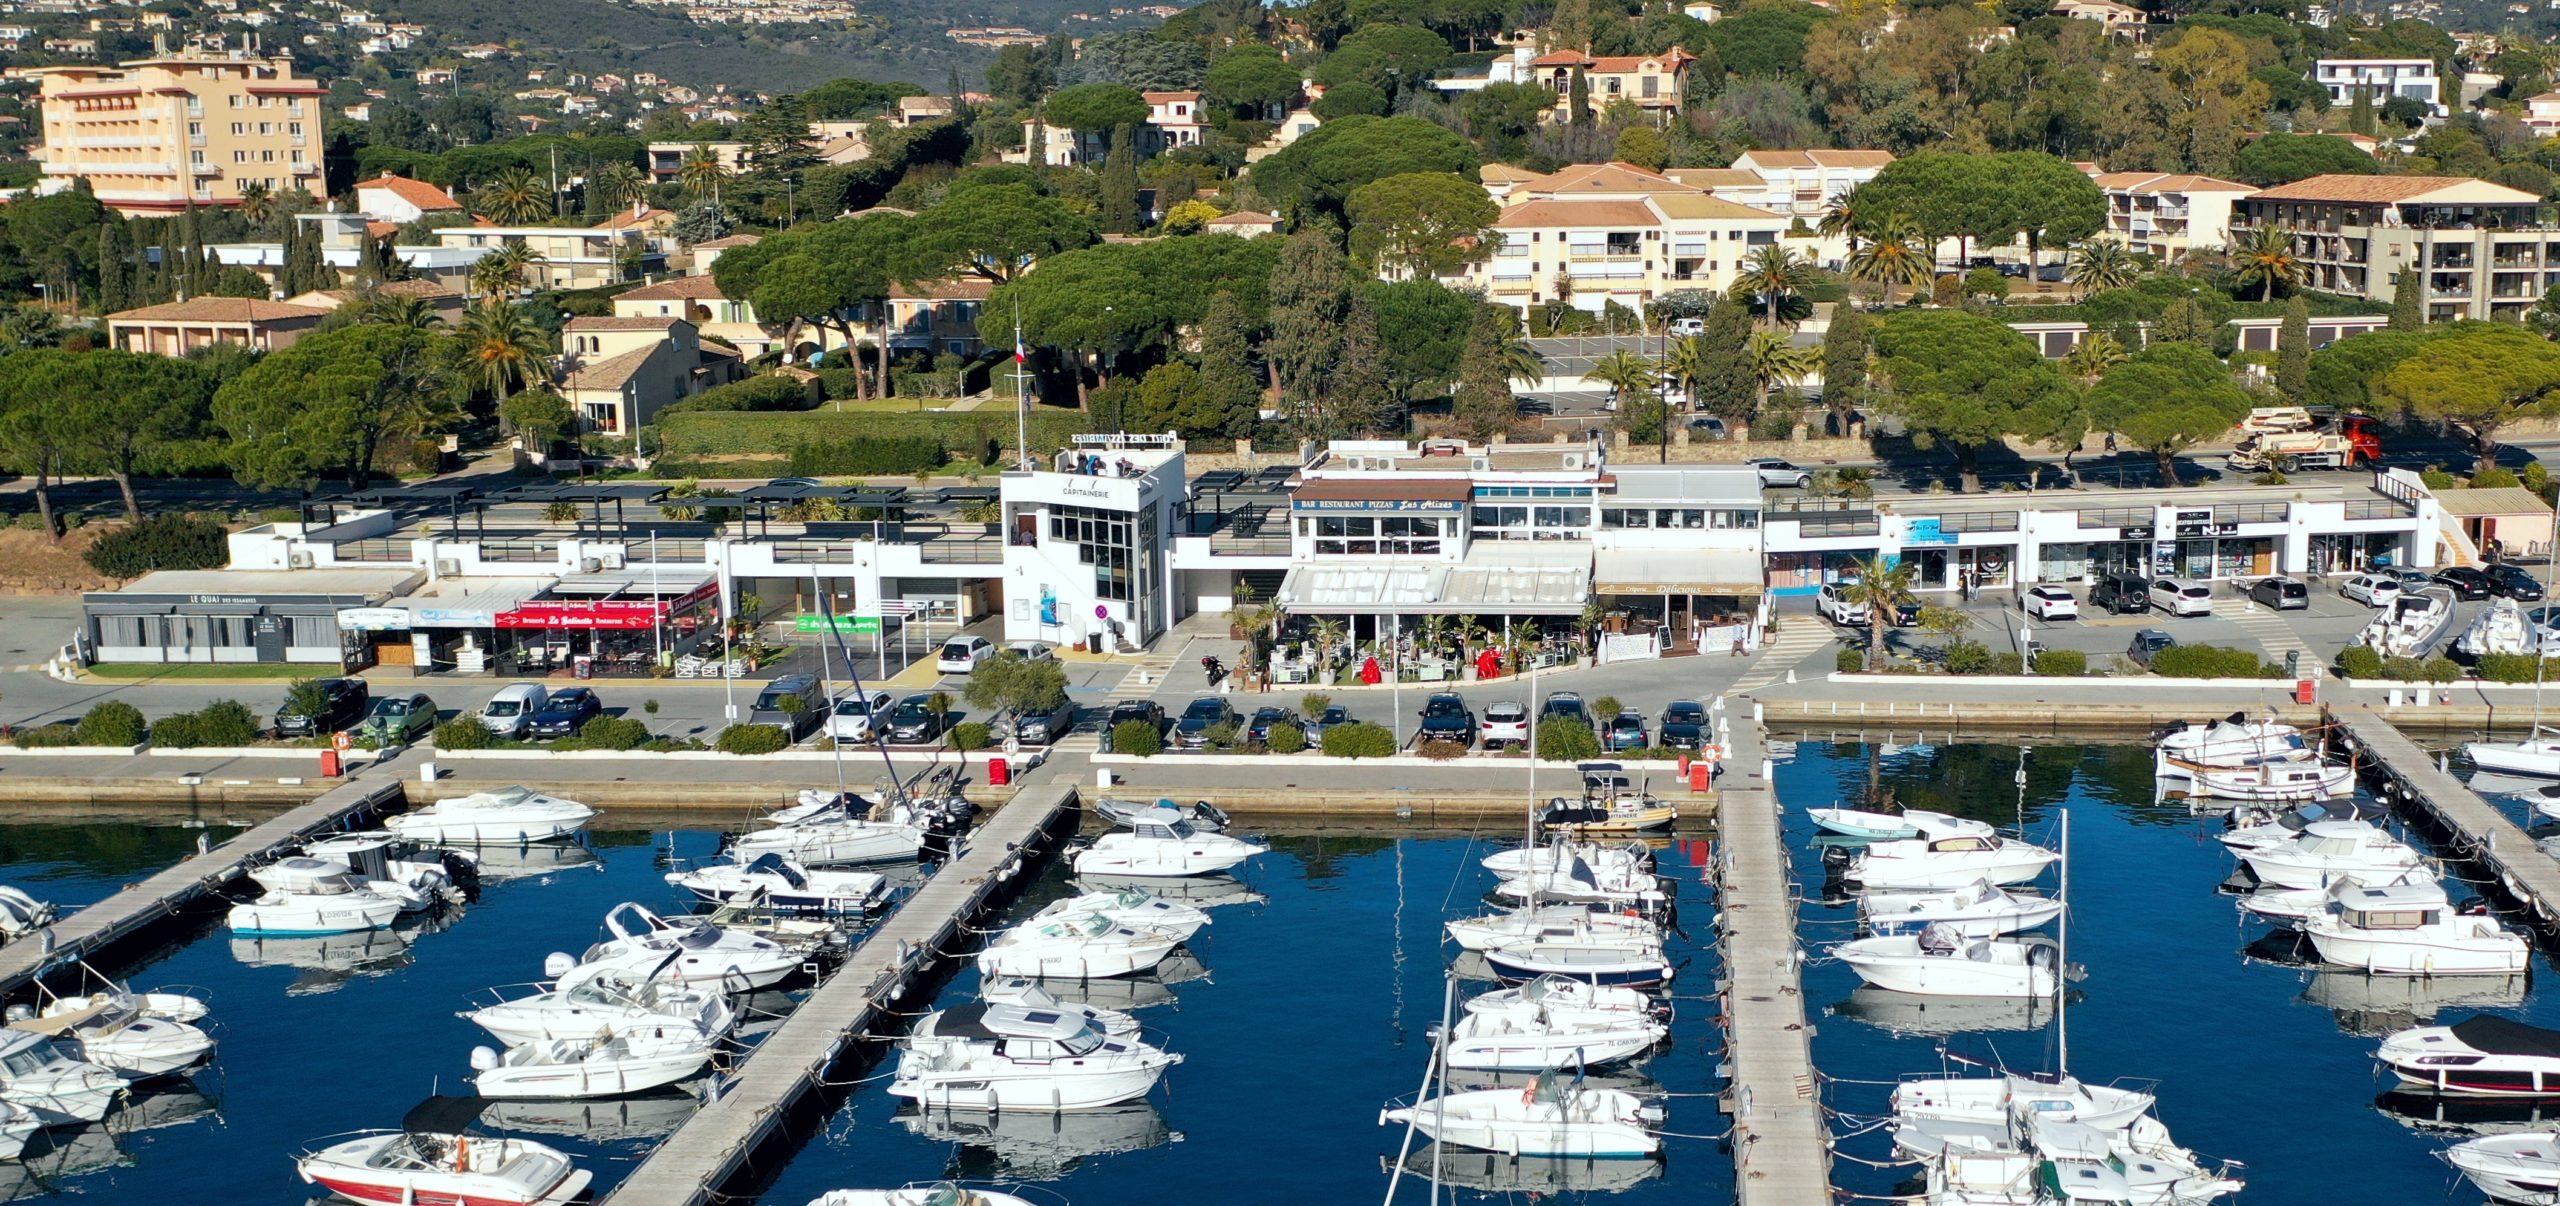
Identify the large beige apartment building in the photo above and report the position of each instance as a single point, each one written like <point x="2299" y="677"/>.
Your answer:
<point x="156" y="135"/>
<point x="1595" y="233"/>
<point x="2482" y="250"/>
<point x="2166" y="215"/>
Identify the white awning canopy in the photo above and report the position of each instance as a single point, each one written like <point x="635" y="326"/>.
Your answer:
<point x="1497" y="578"/>
<point x="1677" y="572"/>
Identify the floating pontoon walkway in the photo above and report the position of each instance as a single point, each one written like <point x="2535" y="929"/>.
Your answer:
<point x="1781" y="1155"/>
<point x="157" y="898"/>
<point x="2473" y="828"/>
<point x="715" y="1146"/>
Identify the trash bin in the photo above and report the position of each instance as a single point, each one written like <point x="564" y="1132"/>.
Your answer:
<point x="999" y="772"/>
<point x="2306" y="691"/>
<point x="1702" y="775"/>
<point x="329" y="768"/>
<point x="1093" y="642"/>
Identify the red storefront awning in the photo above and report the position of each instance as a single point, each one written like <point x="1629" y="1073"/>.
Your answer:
<point x="584" y="613"/>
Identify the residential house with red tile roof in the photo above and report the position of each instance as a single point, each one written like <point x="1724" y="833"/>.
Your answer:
<point x="177" y="328"/>
<point x="400" y="200"/>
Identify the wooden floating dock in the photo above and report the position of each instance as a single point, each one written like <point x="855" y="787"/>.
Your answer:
<point x="157" y="898"/>
<point x="717" y="1145"/>
<point x="1782" y="1155"/>
<point x="2470" y="825"/>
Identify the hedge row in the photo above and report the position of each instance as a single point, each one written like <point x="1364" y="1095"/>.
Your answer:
<point x="892" y="454"/>
<point x="740" y="433"/>
<point x="2212" y="661"/>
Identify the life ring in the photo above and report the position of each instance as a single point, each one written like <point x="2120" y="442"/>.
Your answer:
<point x="462" y="1154"/>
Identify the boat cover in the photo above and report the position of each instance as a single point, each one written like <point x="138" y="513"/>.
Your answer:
<point x="443" y="1115"/>
<point x="772" y="864"/>
<point x="2506" y="1036"/>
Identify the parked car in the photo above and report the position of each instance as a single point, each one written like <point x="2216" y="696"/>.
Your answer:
<point x="1684" y="725"/>
<point x="1707" y="428"/>
<point x="1775" y="472"/>
<point x="2052" y="603"/>
<point x="400" y="718"/>
<point x="1258" y="729"/>
<point x="563" y="713"/>
<point x="794" y="701"/>
<point x="1445" y="718"/>
<point x="1192" y="731"/>
<point x="2411" y="581"/>
<point x="1033" y="651"/>
<point x="341" y="706"/>
<point x="508" y="711"/>
<point x="1040" y="728"/>
<point x="1832" y="603"/>
<point x="2372" y="590"/>
<point x="1682" y="327"/>
<point x="2282" y="594"/>
<point x="1145" y="710"/>
<point x="1504" y="724"/>
<point x="2147" y="643"/>
<point x="1905" y="615"/>
<point x="1333" y="714"/>
<point x="2513" y="582"/>
<point x="961" y="654"/>
<point x="1625" y="732"/>
<point x="854" y="715"/>
<point x="2121" y="594"/>
<point x="2466" y="583"/>
<point x="2182" y="596"/>
<point x="914" y="722"/>
<point x="1565" y="705"/>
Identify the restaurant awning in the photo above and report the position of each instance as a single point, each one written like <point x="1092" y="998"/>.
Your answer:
<point x="460" y="603"/>
<point x="1498" y="578"/>
<point x="1677" y="572"/>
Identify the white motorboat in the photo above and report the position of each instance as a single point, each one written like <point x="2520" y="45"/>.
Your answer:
<point x="1159" y="843"/>
<point x="2252" y="833"/>
<point x="1536" y="1039"/>
<point x="1926" y="1111"/>
<point x="432" y="1159"/>
<point x="1480" y="933"/>
<point x="2502" y="629"/>
<point x="1939" y="962"/>
<point x="2411" y="625"/>
<point x="1950" y="862"/>
<point x="2522" y="1168"/>
<point x="1200" y="814"/>
<point x="1134" y="909"/>
<point x="1580" y="882"/>
<point x="507" y="816"/>
<point x="942" y="1193"/>
<point x="36" y="1075"/>
<point x="1550" y="1118"/>
<point x="776" y="882"/>
<point x="1033" y="994"/>
<point x="1572" y="999"/>
<point x="2293" y="906"/>
<point x="2537" y="755"/>
<point x="1075" y="948"/>
<point x="308" y="897"/>
<point x="2234" y="740"/>
<point x="2326" y="850"/>
<point x="2281" y="782"/>
<point x="1979" y="910"/>
<point x="828" y="830"/>
<point x="2138" y="1161"/>
<point x="119" y="1032"/>
<point x="1579" y="950"/>
<point x="393" y="865"/>
<point x="1895" y="826"/>
<point x="1006" y="1057"/>
<point x="21" y="914"/>
<point x="1561" y="854"/>
<point x="627" y="1061"/>
<point x="1613" y="801"/>
<point x="596" y="1000"/>
<point x="2413" y="930"/>
<point x="2480" y="1056"/>
<point x="690" y="950"/>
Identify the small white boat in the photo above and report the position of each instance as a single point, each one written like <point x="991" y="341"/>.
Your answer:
<point x="2480" y="1056"/>
<point x="597" y="1000"/>
<point x="2293" y="906"/>
<point x="2411" y="625"/>
<point x="1481" y="933"/>
<point x="507" y="816"/>
<point x="1580" y="882"/>
<point x="1134" y="909"/>
<point x="2326" y="850"/>
<point x="393" y="865"/>
<point x="1033" y="994"/>
<point x="433" y="1160"/>
<point x="1200" y="814"/>
<point x="2501" y="629"/>
<point x="2413" y="930"/>
<point x="1549" y="1118"/>
<point x="1578" y="950"/>
<point x="21" y="914"/>
<point x="1006" y="1057"/>
<point x="1562" y="854"/>
<point x="1949" y="862"/>
<point x="2523" y="1168"/>
<point x="119" y="1032"/>
<point x="627" y="1061"/>
<point x="1939" y="962"/>
<point x="1613" y="801"/>
<point x="1570" y="998"/>
<point x="1075" y="948"/>
<point x="830" y="830"/>
<point x="1926" y="1110"/>
<point x="2234" y="740"/>
<point x="690" y="950"/>
<point x="942" y="1193"/>
<point x="1159" y="843"/>
<point x="1979" y="910"/>
<point x="2537" y="755"/>
<point x="308" y="897"/>
<point x="2139" y="1163"/>
<point x="785" y="886"/>
<point x="1538" y="1039"/>
<point x="1895" y="826"/>
<point x="36" y="1075"/>
<point x="2249" y="833"/>
<point x="2267" y="781"/>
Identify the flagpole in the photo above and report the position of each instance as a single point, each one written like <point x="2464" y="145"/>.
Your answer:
<point x="1021" y="411"/>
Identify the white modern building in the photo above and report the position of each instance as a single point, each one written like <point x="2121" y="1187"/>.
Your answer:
<point x="2383" y="79"/>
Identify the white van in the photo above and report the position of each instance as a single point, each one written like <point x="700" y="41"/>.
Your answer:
<point x="506" y="712"/>
<point x="2182" y="596"/>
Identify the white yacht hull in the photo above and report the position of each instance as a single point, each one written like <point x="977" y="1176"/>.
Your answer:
<point x="594" y="1075"/>
<point x="1048" y="1090"/>
<point x="436" y="825"/>
<point x="1483" y="933"/>
<point x="145" y="1049"/>
<point x="1085" y="961"/>
<point x="2539" y="757"/>
<point x="1480" y="1045"/>
<point x="66" y="1104"/>
<point x="833" y="845"/>
<point x="1166" y="863"/>
<point x="2279" y="868"/>
<point x="2482" y="952"/>
<point x="1590" y="1123"/>
<point x="1921" y="873"/>
<point x="1881" y="962"/>
<point x="313" y="916"/>
<point x="2522" y="1169"/>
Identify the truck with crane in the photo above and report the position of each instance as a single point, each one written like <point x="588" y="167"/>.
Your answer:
<point x="2344" y="442"/>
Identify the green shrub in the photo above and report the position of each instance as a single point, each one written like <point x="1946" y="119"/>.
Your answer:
<point x="47" y="736"/>
<point x="2005" y="662"/>
<point x="111" y="723"/>
<point x="2509" y="667"/>
<point x="615" y="733"/>
<point x="2440" y="669"/>
<point x="969" y="735"/>
<point x="2403" y="669"/>
<point x="1221" y="736"/>
<point x="1968" y="657"/>
<point x="224" y="722"/>
<point x="752" y="739"/>
<point x="464" y="732"/>
<point x="2062" y="663"/>
<point x="1287" y="739"/>
<point x="280" y="515"/>
<point x="2210" y="661"/>
<point x="2360" y="661"/>
<point x="166" y="542"/>
<point x="1849" y="661"/>
<point x="1567" y="740"/>
<point x="178" y="732"/>
<point x="31" y="521"/>
<point x="881" y="454"/>
<point x="1359" y="740"/>
<point x="1136" y="737"/>
<point x="771" y="392"/>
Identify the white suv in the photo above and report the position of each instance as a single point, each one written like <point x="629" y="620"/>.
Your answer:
<point x="2372" y="590"/>
<point x="961" y="655"/>
<point x="2052" y="603"/>
<point x="2182" y="597"/>
<point x="1503" y="724"/>
<point x="1834" y="604"/>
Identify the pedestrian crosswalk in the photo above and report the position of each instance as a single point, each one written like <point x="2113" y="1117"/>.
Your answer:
<point x="1798" y="639"/>
<point x="1142" y="680"/>
<point x="2267" y="628"/>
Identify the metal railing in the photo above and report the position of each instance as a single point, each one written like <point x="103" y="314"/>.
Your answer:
<point x="1249" y="546"/>
<point x="379" y="549"/>
<point x="1979" y="521"/>
<point x="2251" y="513"/>
<point x="2380" y="508"/>
<point x="520" y="550"/>
<point x="2117" y="517"/>
<point x="1867" y="526"/>
<point x="804" y="552"/>
<point x="979" y="550"/>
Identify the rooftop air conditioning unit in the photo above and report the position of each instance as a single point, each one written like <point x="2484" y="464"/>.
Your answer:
<point x="613" y="558"/>
<point x="448" y="567"/>
<point x="589" y="565"/>
<point x="1481" y="464"/>
<point x="1573" y="460"/>
<point x="1355" y="462"/>
<point x="299" y="559"/>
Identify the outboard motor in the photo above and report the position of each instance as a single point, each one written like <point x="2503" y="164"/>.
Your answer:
<point x="484" y="1059"/>
<point x="558" y="964"/>
<point x="2164" y="732"/>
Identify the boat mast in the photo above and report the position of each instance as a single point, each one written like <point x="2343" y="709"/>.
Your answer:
<point x="2062" y="944"/>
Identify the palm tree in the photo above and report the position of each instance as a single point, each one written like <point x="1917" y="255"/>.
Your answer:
<point x="2267" y="260"/>
<point x="1772" y="273"/>
<point x="2101" y="265"/>
<point x="702" y="173"/>
<point x="257" y="203"/>
<point x="2090" y="358"/>
<point x="502" y="271"/>
<point x="1774" y="359"/>
<point x="513" y="197"/>
<point x="1882" y="588"/>
<point x="506" y="350"/>
<point x="1840" y="217"/>
<point x="1684" y="361"/>
<point x="615" y="185"/>
<point x="1626" y="374"/>
<point x="1328" y="636"/>
<point x="399" y="310"/>
<point x="1897" y="255"/>
<point x="1520" y="359"/>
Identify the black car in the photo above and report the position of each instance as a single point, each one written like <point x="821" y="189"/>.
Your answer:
<point x="913" y="722"/>
<point x="342" y="704"/>
<point x="2123" y="594"/>
<point x="564" y="713"/>
<point x="1206" y="713"/>
<point x="2146" y="644"/>
<point x="2281" y="594"/>
<point x="1041" y="727"/>
<point x="2466" y="582"/>
<point x="1258" y="729"/>
<point x="1684" y="726"/>
<point x="1565" y="705"/>
<point x="1906" y="615"/>
<point x="1446" y="718"/>
<point x="2513" y="582"/>
<point x="1146" y="711"/>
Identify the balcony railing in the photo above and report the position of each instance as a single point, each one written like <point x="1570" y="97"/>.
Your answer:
<point x="1232" y="545"/>
<point x="2380" y="508"/>
<point x="2251" y="513"/>
<point x="520" y="550"/>
<point x="804" y="552"/>
<point x="2117" y="517"/>
<point x="973" y="550"/>
<point x="396" y="551"/>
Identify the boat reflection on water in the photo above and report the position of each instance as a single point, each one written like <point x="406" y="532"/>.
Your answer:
<point x="762" y="1012"/>
<point x="620" y="1120"/>
<point x="1125" y="993"/>
<point x="329" y="962"/>
<point x="1494" y="1173"/>
<point x="1201" y="891"/>
<point x="2379" y="1006"/>
<point x="2283" y="948"/>
<point x="163" y="1104"/>
<point x="57" y="1156"/>
<point x="1624" y="1079"/>
<point x="2466" y="1117"/>
<point x="1903" y="1013"/>
<point x="1030" y="1145"/>
<point x="499" y="864"/>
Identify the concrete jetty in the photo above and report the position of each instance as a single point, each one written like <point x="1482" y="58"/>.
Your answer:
<point x="1782" y="1156"/>
<point x="157" y="898"/>
<point x="718" y="1145"/>
<point x="2472" y="827"/>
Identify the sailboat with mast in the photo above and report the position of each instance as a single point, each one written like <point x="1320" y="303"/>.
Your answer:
<point x="2538" y="754"/>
